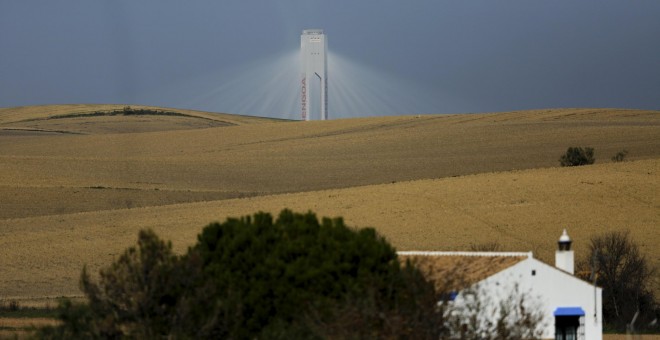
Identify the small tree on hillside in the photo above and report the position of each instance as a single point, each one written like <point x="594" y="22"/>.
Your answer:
<point x="487" y="246"/>
<point x="620" y="156"/>
<point x="576" y="156"/>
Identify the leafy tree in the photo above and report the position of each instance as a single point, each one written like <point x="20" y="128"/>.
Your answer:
<point x="576" y="156"/>
<point x="269" y="274"/>
<point x="625" y="275"/>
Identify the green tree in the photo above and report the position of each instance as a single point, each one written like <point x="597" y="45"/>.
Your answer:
<point x="576" y="156"/>
<point x="269" y="275"/>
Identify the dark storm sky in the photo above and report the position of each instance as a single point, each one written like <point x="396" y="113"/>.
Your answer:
<point x="467" y="56"/>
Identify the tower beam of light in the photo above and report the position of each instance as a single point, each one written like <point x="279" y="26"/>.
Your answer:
<point x="269" y="87"/>
<point x="358" y="90"/>
<point x="265" y="87"/>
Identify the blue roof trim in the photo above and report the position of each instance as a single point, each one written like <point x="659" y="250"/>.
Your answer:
<point x="452" y="296"/>
<point x="569" y="311"/>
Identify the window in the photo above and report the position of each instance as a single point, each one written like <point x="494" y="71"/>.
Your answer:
<point x="569" y="323"/>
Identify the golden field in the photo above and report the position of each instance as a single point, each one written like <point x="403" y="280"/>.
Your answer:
<point x="75" y="191"/>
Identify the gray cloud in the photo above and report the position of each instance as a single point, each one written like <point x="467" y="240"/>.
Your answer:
<point x="442" y="56"/>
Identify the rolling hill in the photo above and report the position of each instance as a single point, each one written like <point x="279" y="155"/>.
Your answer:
<point x="76" y="188"/>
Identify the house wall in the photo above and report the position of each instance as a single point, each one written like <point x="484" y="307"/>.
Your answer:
<point x="551" y="288"/>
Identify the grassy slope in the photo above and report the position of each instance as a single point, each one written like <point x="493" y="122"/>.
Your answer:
<point x="522" y="210"/>
<point x="61" y="175"/>
<point x="276" y="157"/>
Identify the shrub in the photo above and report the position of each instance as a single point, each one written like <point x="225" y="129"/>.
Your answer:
<point x="576" y="156"/>
<point x="12" y="306"/>
<point x="480" y="314"/>
<point x="620" y="156"/>
<point x="487" y="246"/>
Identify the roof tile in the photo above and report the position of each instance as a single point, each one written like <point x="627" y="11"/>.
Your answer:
<point x="452" y="271"/>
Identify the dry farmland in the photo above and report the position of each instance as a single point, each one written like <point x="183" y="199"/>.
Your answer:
<point x="75" y="190"/>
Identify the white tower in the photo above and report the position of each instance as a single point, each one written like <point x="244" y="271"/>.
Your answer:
<point x="564" y="257"/>
<point x="314" y="77"/>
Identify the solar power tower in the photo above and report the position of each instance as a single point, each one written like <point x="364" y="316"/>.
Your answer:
<point x="314" y="78"/>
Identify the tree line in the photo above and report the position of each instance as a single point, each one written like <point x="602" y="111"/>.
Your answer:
<point x="300" y="277"/>
<point x="259" y="277"/>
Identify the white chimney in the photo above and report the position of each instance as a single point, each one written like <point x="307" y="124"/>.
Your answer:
<point x="564" y="257"/>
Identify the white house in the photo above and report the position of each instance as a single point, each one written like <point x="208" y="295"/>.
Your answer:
<point x="570" y="307"/>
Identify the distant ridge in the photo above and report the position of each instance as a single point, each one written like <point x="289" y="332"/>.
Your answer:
<point x="103" y="119"/>
<point x="21" y="113"/>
